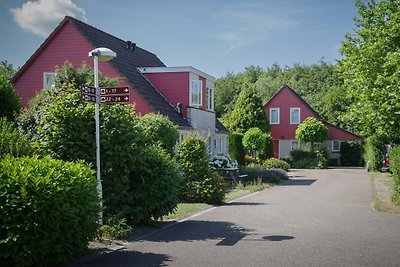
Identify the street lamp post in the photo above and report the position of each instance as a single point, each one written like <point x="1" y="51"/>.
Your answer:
<point x="99" y="54"/>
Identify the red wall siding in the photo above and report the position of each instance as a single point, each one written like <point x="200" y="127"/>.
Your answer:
<point x="173" y="85"/>
<point x="336" y="133"/>
<point x="67" y="44"/>
<point x="286" y="100"/>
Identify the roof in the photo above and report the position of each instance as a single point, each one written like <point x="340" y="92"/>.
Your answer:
<point x="126" y="63"/>
<point x="220" y="127"/>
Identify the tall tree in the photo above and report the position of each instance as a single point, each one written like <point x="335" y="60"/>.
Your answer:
<point x="248" y="112"/>
<point x="371" y="69"/>
<point x="7" y="69"/>
<point x="311" y="131"/>
<point x="9" y="100"/>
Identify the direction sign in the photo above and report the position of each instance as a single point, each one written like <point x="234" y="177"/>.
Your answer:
<point x="111" y="99"/>
<point x="114" y="91"/>
<point x="108" y="95"/>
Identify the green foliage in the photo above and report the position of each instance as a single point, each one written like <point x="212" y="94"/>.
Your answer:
<point x="371" y="69"/>
<point x="395" y="169"/>
<point x="7" y="70"/>
<point x="211" y="190"/>
<point x="248" y="112"/>
<point x="273" y="163"/>
<point x="199" y="184"/>
<point x="9" y="100"/>
<point x="252" y="160"/>
<point x="159" y="130"/>
<point x="374" y="150"/>
<point x="268" y="151"/>
<point x="350" y="153"/>
<point x="311" y="130"/>
<point x="192" y="157"/>
<point x="114" y="228"/>
<point x="236" y="149"/>
<point x="48" y="210"/>
<point x="305" y="159"/>
<point x="12" y="141"/>
<point x="257" y="171"/>
<point x="254" y="140"/>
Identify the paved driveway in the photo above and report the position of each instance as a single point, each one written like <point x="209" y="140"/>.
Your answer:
<point x="318" y="218"/>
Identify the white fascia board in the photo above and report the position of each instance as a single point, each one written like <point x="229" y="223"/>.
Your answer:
<point x="176" y="69"/>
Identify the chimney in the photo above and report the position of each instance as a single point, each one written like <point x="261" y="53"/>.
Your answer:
<point x="129" y="44"/>
<point x="179" y="107"/>
<point x="133" y="46"/>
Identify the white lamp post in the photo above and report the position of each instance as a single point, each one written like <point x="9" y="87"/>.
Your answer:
<point x="99" y="54"/>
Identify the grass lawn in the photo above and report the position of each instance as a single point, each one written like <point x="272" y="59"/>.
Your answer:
<point x="383" y="190"/>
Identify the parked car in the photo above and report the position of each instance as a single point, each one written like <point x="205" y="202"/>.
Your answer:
<point x="385" y="162"/>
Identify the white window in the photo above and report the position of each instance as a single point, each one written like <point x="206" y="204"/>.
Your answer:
<point x="48" y="80"/>
<point x="274" y="116"/>
<point x="336" y="145"/>
<point x="210" y="99"/>
<point x="295" y="144"/>
<point x="195" y="92"/>
<point x="294" y="115"/>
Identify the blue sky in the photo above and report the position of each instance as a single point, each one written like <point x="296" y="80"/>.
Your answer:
<point x="213" y="36"/>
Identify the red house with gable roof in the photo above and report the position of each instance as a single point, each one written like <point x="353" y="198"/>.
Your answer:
<point x="184" y="95"/>
<point x="285" y="111"/>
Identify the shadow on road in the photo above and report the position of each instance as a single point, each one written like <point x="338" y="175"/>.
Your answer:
<point x="126" y="258"/>
<point x="200" y="231"/>
<point x="298" y="182"/>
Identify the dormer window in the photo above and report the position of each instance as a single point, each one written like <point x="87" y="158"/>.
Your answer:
<point x="195" y="92"/>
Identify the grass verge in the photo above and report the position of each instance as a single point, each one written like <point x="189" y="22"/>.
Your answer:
<point x="383" y="191"/>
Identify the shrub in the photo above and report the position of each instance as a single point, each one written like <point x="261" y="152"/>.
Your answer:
<point x="304" y="159"/>
<point x="236" y="149"/>
<point x="251" y="160"/>
<point x="395" y="169"/>
<point x="199" y="183"/>
<point x="48" y="210"/>
<point x="257" y="171"/>
<point x="12" y="141"/>
<point x="210" y="190"/>
<point x="374" y="150"/>
<point x="114" y="228"/>
<point x="159" y="131"/>
<point x="311" y="130"/>
<point x="268" y="151"/>
<point x="350" y="153"/>
<point x="9" y="100"/>
<point x="301" y="154"/>
<point x="223" y="162"/>
<point x="254" y="140"/>
<point x="273" y="163"/>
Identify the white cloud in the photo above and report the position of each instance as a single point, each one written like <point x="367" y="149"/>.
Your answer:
<point x="240" y="27"/>
<point x="42" y="16"/>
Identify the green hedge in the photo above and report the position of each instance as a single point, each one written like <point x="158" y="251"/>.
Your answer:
<point x="48" y="210"/>
<point x="236" y="149"/>
<point x="305" y="159"/>
<point x="374" y="150"/>
<point x="273" y="163"/>
<point x="351" y="153"/>
<point x="395" y="169"/>
<point x="13" y="142"/>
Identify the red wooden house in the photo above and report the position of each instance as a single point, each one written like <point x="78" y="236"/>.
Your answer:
<point x="183" y="94"/>
<point x="285" y="111"/>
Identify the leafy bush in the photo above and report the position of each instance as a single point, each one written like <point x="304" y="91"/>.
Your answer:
<point x="159" y="131"/>
<point x="374" y="150"/>
<point x="199" y="183"/>
<point x="9" y="100"/>
<point x="304" y="159"/>
<point x="273" y="163"/>
<point x="350" y="153"/>
<point x="256" y="171"/>
<point x="254" y="140"/>
<point x="12" y="141"/>
<point x="395" y="169"/>
<point x="268" y="151"/>
<point x="236" y="149"/>
<point x="251" y="160"/>
<point x="223" y="162"/>
<point x="301" y="154"/>
<point x="114" y="228"/>
<point x="311" y="130"/>
<point x="210" y="190"/>
<point x="48" y="210"/>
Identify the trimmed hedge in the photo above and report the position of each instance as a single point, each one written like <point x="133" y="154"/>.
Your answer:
<point x="374" y="150"/>
<point x="395" y="169"/>
<point x="48" y="210"/>
<point x="236" y="149"/>
<point x="305" y="159"/>
<point x="273" y="163"/>
<point x="350" y="153"/>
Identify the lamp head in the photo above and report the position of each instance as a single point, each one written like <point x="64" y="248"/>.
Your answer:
<point x="103" y="54"/>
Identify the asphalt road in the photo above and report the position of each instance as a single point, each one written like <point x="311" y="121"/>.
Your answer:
<point x="318" y="218"/>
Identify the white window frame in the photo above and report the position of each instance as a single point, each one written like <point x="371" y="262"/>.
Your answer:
<point x="297" y="146"/>
<point x="333" y="145"/>
<point x="291" y="117"/>
<point x="278" y="110"/>
<point x="199" y="93"/>
<point x="46" y="79"/>
<point x="210" y="99"/>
